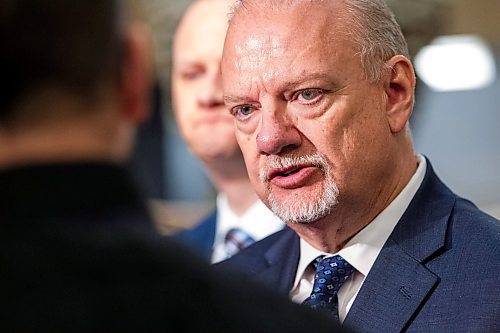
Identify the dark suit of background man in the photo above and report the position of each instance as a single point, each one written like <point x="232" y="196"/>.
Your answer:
<point x="78" y="252"/>
<point x="321" y="93"/>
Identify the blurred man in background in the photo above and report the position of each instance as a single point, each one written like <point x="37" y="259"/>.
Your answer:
<point x="240" y="217"/>
<point x="78" y="251"/>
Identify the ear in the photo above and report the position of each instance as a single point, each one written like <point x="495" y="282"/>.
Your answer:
<point x="400" y="87"/>
<point x="136" y="81"/>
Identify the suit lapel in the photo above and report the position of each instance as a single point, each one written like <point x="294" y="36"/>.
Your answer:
<point x="209" y="232"/>
<point x="399" y="282"/>
<point x="202" y="236"/>
<point x="393" y="290"/>
<point x="281" y="262"/>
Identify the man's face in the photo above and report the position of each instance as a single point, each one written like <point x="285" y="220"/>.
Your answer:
<point x="203" y="121"/>
<point x="312" y="130"/>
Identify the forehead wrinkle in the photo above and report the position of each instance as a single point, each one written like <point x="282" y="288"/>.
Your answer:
<point x="253" y="59"/>
<point x="281" y="77"/>
<point x="255" y="50"/>
<point x="268" y="43"/>
<point x="285" y="74"/>
<point x="245" y="93"/>
<point x="251" y="52"/>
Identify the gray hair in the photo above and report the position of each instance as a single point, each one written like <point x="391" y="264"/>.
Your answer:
<point x="372" y="26"/>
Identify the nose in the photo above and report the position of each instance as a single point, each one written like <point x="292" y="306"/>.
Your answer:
<point x="277" y="134"/>
<point x="210" y="93"/>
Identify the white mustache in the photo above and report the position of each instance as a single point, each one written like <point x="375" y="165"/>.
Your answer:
<point x="281" y="162"/>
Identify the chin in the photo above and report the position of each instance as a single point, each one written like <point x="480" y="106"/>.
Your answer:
<point x="305" y="206"/>
<point x="301" y="212"/>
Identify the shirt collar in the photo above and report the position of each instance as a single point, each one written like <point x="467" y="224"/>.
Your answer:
<point x="257" y="221"/>
<point x="363" y="249"/>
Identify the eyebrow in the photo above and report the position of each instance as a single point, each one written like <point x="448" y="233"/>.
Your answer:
<point x="233" y="99"/>
<point x="287" y="85"/>
<point x="309" y="77"/>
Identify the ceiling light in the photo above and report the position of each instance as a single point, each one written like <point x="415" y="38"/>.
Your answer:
<point x="451" y="63"/>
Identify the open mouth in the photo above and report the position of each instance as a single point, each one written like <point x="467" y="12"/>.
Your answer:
<point x="285" y="172"/>
<point x="288" y="173"/>
<point x="292" y="177"/>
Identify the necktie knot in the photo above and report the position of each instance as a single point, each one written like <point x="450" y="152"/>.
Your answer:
<point x="331" y="273"/>
<point x="235" y="240"/>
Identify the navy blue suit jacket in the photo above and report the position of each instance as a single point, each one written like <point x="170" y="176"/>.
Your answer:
<point x="437" y="272"/>
<point x="201" y="238"/>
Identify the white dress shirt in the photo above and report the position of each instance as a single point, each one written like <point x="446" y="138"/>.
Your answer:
<point x="258" y="222"/>
<point x="361" y="251"/>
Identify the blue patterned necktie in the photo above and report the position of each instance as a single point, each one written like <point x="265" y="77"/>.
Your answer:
<point x="331" y="273"/>
<point x="236" y="239"/>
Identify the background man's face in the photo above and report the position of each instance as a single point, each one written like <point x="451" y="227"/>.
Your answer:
<point x="311" y="129"/>
<point x="203" y="121"/>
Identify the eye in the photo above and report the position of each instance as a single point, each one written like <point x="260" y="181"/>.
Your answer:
<point x="309" y="96"/>
<point x="193" y="73"/>
<point x="190" y="76"/>
<point x="242" y="111"/>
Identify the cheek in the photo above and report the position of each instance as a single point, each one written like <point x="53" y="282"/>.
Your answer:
<point x="251" y="156"/>
<point x="370" y="131"/>
<point x="184" y="117"/>
<point x="180" y="91"/>
<point x="363" y="145"/>
<point x="325" y="135"/>
<point x="184" y="92"/>
<point x="247" y="146"/>
<point x="336" y="137"/>
<point x="184" y="103"/>
<point x="248" y="126"/>
<point x="225" y="133"/>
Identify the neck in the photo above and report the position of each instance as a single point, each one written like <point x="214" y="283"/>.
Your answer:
<point x="75" y="136"/>
<point x="230" y="177"/>
<point x="37" y="148"/>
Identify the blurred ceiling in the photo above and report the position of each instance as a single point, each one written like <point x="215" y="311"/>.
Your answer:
<point x="481" y="17"/>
